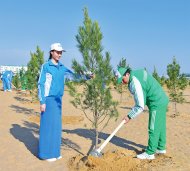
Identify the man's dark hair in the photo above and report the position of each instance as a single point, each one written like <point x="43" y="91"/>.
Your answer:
<point x="127" y="71"/>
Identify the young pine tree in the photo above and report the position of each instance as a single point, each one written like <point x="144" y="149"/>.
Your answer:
<point x="95" y="100"/>
<point x="18" y="81"/>
<point x="32" y="73"/>
<point x="176" y="83"/>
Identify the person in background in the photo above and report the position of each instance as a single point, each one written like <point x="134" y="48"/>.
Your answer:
<point x="147" y="91"/>
<point x="50" y="91"/>
<point x="1" y="76"/>
<point x="7" y="80"/>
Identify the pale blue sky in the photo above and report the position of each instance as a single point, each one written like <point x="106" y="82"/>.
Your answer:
<point x="147" y="33"/>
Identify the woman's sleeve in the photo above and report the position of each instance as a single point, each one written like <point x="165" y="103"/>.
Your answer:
<point x="41" y="85"/>
<point x="70" y="76"/>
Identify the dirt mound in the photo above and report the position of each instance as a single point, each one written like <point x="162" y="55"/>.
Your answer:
<point x="124" y="160"/>
<point x="117" y="160"/>
<point x="65" y="119"/>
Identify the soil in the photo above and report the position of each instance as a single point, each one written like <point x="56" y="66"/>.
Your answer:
<point x="19" y="133"/>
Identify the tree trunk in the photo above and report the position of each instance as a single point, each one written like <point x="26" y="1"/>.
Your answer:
<point x="175" y="109"/>
<point x="177" y="113"/>
<point x="97" y="135"/>
<point x="121" y="97"/>
<point x="96" y="129"/>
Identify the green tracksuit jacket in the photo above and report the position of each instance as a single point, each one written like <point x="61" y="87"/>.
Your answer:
<point x="147" y="91"/>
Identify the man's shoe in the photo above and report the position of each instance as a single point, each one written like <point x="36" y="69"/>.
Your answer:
<point x="160" y="151"/>
<point x="51" y="159"/>
<point x="60" y="157"/>
<point x="145" y="156"/>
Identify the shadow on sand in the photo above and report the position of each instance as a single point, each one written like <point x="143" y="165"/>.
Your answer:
<point x="68" y="143"/>
<point x="90" y="134"/>
<point x="26" y="136"/>
<point x="21" y="99"/>
<point x="23" y="110"/>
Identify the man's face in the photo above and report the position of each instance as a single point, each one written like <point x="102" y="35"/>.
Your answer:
<point x="125" y="79"/>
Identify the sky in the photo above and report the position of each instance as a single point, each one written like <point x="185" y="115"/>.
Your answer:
<point x="147" y="33"/>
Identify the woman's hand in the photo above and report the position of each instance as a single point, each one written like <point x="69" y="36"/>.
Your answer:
<point x="43" y="107"/>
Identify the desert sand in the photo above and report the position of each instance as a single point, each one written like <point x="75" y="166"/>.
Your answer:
<point x="19" y="132"/>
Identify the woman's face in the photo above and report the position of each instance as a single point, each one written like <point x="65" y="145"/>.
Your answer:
<point x="56" y="55"/>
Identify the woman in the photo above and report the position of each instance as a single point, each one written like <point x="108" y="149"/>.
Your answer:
<point x="50" y="92"/>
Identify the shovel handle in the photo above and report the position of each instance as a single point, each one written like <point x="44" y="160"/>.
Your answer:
<point x="110" y="137"/>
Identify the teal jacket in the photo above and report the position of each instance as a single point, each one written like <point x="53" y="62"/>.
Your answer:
<point x="146" y="91"/>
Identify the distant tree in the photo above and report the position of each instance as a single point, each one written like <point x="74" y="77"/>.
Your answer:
<point x="176" y="83"/>
<point x="187" y="75"/>
<point x="155" y="75"/>
<point x="95" y="99"/>
<point x="121" y="87"/>
<point x="163" y="80"/>
<point x="23" y="79"/>
<point x="32" y="74"/>
<point x="122" y="63"/>
<point x="16" y="81"/>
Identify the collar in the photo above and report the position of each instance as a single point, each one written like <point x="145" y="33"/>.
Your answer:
<point x="130" y="77"/>
<point x="52" y="64"/>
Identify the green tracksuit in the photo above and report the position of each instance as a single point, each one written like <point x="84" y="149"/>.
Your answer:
<point x="147" y="91"/>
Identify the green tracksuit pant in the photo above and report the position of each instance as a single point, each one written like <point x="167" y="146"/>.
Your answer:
<point x="157" y="129"/>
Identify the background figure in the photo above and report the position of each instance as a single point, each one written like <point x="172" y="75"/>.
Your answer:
<point x="1" y="76"/>
<point x="7" y="80"/>
<point x="23" y="83"/>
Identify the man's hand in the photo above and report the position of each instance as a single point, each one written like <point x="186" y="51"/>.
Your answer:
<point x="126" y="118"/>
<point x="43" y="107"/>
<point x="91" y="75"/>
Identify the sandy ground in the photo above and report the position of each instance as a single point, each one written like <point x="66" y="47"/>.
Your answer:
<point x="19" y="128"/>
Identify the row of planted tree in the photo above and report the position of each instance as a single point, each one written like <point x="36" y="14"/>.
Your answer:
<point x="95" y="100"/>
<point x="175" y="82"/>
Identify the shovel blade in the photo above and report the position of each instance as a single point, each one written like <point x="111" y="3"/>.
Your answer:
<point x="95" y="153"/>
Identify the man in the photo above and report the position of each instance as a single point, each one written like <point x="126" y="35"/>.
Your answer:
<point x="147" y="91"/>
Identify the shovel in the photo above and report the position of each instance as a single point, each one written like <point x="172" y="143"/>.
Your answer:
<point x="97" y="152"/>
